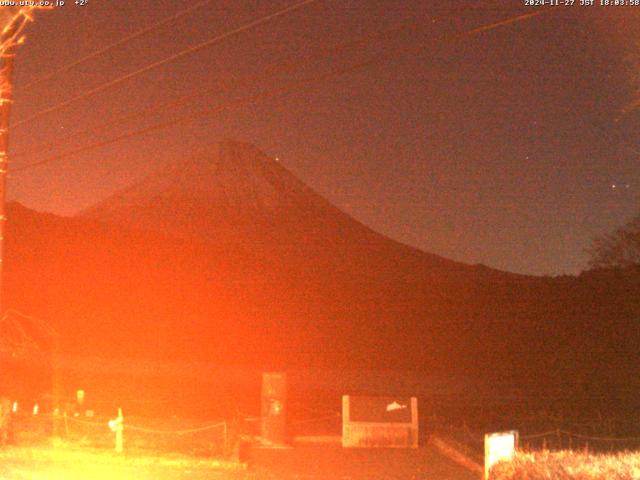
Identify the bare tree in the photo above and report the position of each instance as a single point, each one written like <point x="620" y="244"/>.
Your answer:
<point x="621" y="248"/>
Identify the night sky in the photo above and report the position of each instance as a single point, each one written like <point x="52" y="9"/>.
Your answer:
<point x="512" y="147"/>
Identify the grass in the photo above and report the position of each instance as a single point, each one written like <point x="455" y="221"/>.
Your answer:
<point x="86" y="451"/>
<point x="564" y="465"/>
<point x="61" y="460"/>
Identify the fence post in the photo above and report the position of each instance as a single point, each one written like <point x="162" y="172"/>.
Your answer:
<point x="117" y="426"/>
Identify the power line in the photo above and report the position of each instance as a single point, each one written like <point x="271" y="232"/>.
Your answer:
<point x="122" y="41"/>
<point x="186" y="118"/>
<point x="265" y="94"/>
<point x="248" y="99"/>
<point x="279" y="67"/>
<point x="188" y="51"/>
<point x="271" y="70"/>
<point x="501" y="23"/>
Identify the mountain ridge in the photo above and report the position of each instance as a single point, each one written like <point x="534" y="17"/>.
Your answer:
<point x="167" y="201"/>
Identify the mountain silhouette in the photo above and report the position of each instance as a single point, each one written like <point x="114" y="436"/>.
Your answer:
<point x="234" y="194"/>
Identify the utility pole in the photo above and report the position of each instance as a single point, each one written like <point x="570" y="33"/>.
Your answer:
<point x="6" y="94"/>
<point x="14" y="21"/>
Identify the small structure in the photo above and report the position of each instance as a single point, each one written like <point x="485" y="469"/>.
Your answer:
<point x="379" y="421"/>
<point x="274" y="407"/>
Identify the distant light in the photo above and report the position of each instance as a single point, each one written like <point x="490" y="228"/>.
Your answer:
<point x="277" y="159"/>
<point x="80" y="396"/>
<point x="613" y="186"/>
<point x="115" y="424"/>
<point x="14" y="408"/>
<point x="275" y="408"/>
<point x="35" y="409"/>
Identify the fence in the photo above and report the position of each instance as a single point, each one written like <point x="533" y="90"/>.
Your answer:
<point x="560" y="439"/>
<point x="220" y="438"/>
<point x="135" y="433"/>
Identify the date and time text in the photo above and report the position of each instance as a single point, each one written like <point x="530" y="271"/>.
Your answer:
<point x="581" y="3"/>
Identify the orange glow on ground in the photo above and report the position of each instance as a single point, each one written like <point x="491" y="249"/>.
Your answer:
<point x="60" y="461"/>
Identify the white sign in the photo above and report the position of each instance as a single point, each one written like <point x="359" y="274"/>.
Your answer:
<point x="498" y="447"/>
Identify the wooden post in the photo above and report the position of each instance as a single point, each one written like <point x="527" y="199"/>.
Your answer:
<point x="119" y="428"/>
<point x="226" y="437"/>
<point x="55" y="394"/>
<point x="345" y="421"/>
<point x="414" y="423"/>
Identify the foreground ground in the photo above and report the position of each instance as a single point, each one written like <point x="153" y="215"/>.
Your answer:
<point x="58" y="462"/>
<point x="334" y="462"/>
